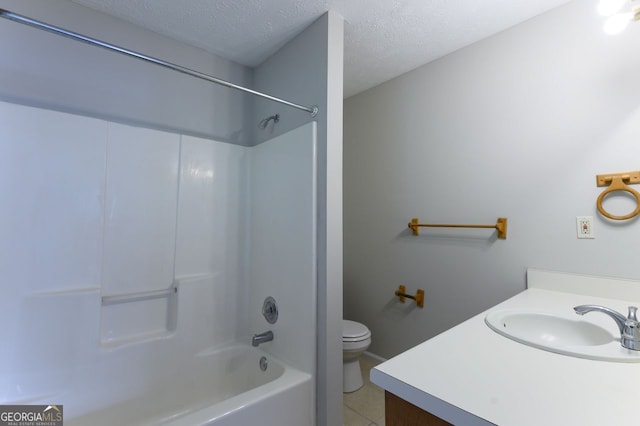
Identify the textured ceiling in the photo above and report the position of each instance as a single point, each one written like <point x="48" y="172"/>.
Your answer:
<point x="383" y="38"/>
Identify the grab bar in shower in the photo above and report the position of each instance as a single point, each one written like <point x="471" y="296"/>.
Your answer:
<point x="501" y="226"/>
<point x="136" y="297"/>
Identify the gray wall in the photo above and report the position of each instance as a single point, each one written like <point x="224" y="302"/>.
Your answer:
<point x="308" y="70"/>
<point x="46" y="70"/>
<point x="518" y="126"/>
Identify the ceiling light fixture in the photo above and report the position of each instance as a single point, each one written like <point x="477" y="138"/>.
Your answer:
<point x="618" y="18"/>
<point x="609" y="7"/>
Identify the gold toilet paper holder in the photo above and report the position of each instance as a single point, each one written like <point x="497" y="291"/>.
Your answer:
<point x="418" y="297"/>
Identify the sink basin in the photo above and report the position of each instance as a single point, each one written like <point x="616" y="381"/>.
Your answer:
<point x="561" y="334"/>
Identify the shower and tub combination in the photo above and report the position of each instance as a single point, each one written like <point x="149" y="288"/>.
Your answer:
<point x="177" y="291"/>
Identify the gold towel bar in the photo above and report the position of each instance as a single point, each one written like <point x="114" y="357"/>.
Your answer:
<point x="501" y="226"/>
<point x="419" y="296"/>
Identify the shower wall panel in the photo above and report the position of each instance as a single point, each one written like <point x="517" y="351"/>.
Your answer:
<point x="52" y="170"/>
<point x="95" y="209"/>
<point x="282" y="259"/>
<point x="140" y="211"/>
<point x="211" y="239"/>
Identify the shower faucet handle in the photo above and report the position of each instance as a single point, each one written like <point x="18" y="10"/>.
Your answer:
<point x="270" y="310"/>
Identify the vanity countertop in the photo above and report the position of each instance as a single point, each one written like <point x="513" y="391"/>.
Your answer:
<point x="471" y="375"/>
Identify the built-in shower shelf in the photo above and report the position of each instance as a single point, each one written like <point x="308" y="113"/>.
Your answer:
<point x="139" y="316"/>
<point x="138" y="297"/>
<point x="133" y="339"/>
<point x="66" y="291"/>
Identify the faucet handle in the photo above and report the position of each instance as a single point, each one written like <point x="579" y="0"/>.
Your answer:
<point x="629" y="327"/>
<point x="630" y="338"/>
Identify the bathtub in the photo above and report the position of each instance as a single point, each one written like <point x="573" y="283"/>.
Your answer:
<point x="222" y="387"/>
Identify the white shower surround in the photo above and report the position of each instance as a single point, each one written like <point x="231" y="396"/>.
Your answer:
<point x="98" y="208"/>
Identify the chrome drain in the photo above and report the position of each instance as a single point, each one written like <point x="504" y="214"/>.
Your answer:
<point x="264" y="363"/>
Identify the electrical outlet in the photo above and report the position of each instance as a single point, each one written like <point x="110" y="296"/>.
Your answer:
<point x="584" y="225"/>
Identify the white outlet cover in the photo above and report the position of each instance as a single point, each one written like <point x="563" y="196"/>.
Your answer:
<point x="584" y="227"/>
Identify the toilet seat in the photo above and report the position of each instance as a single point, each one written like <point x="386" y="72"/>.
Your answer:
<point x="354" y="331"/>
<point x="356" y="339"/>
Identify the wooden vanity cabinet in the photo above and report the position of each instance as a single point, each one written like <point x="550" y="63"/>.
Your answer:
<point x="398" y="412"/>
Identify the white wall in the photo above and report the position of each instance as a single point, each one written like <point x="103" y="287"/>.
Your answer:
<point x="42" y="69"/>
<point x="517" y="125"/>
<point x="308" y="70"/>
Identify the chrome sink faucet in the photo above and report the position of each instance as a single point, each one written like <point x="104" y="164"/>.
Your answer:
<point x="629" y="326"/>
<point x="267" y="336"/>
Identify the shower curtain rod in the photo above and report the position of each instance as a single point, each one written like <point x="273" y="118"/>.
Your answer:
<point x="79" y="37"/>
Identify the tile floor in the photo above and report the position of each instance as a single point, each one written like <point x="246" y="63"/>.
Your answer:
<point x="364" y="407"/>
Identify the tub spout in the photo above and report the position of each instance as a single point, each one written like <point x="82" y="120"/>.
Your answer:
<point x="257" y="339"/>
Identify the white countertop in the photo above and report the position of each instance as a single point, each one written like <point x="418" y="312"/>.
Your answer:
<point x="470" y="375"/>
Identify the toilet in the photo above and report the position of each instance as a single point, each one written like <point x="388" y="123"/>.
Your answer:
<point x="356" y="338"/>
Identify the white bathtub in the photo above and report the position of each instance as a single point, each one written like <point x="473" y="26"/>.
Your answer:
<point x="223" y="387"/>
